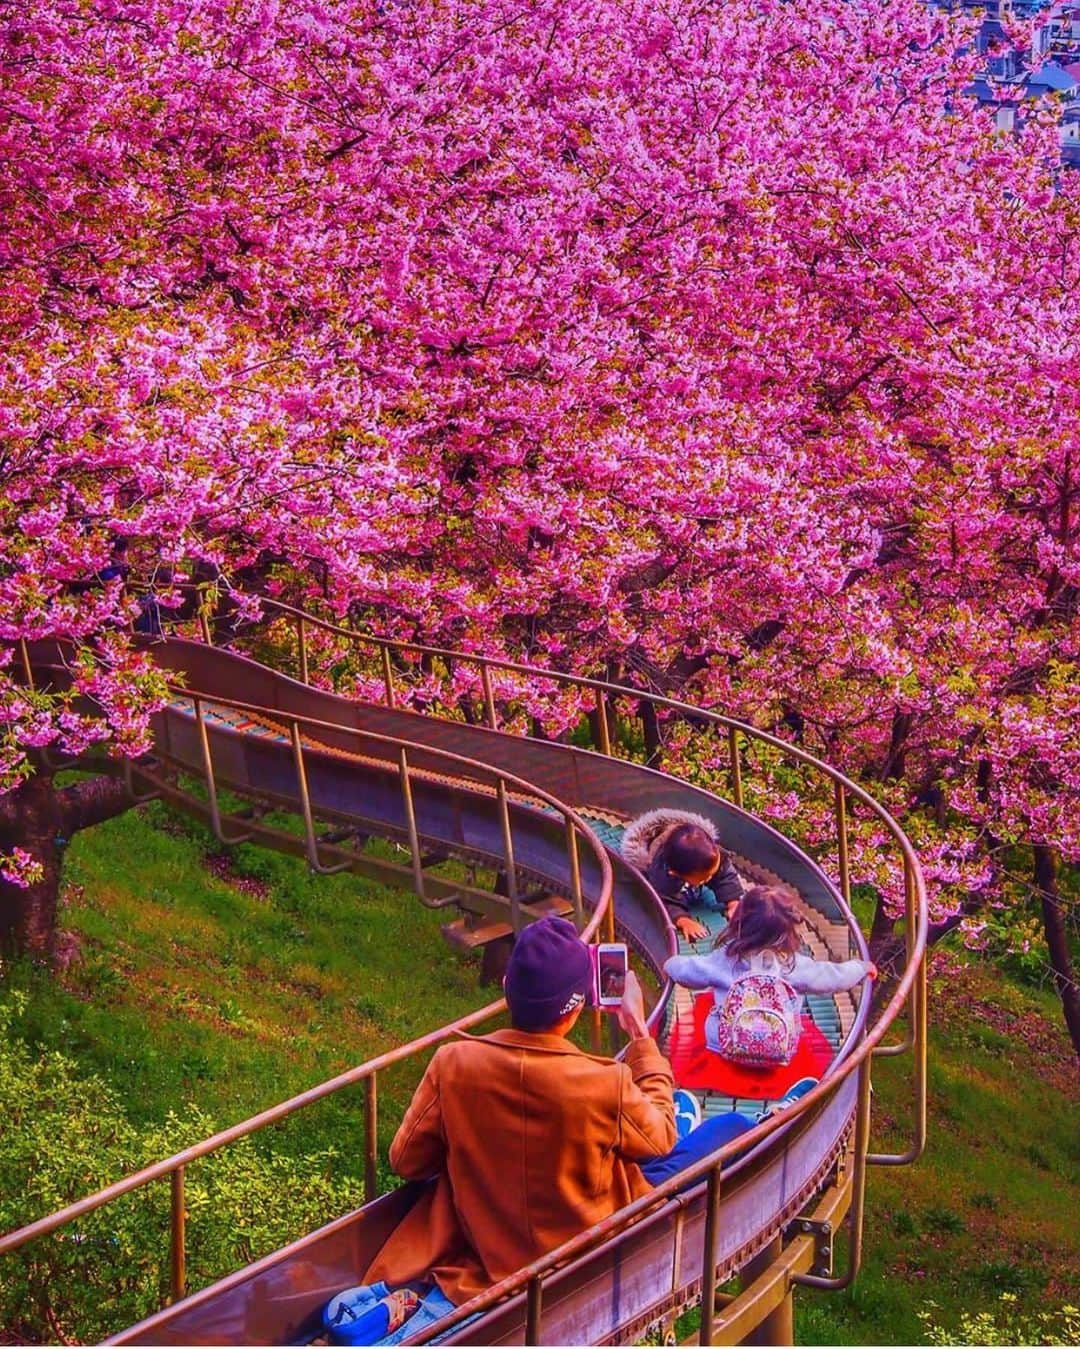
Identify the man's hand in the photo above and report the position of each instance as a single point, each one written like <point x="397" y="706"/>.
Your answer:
<point x="631" y="1011"/>
<point x="691" y="929"/>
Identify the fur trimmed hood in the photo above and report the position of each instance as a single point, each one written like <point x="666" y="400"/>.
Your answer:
<point x="646" y="835"/>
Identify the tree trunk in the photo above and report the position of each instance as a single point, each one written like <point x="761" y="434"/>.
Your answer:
<point x="1057" y="938"/>
<point x="895" y="765"/>
<point x="650" y="725"/>
<point x="883" y="939"/>
<point x="32" y="820"/>
<point x="42" y="819"/>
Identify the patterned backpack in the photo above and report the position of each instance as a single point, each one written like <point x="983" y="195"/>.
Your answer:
<point x="759" y="1022"/>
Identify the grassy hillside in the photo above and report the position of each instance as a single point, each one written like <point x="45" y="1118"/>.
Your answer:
<point x="234" y="979"/>
<point x="991" y="1209"/>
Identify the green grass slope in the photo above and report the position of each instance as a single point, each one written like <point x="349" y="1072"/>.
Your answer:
<point x="992" y="1207"/>
<point x="233" y="979"/>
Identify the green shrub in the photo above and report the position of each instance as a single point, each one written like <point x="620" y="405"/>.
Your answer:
<point x="1006" y="1324"/>
<point x="941" y="1219"/>
<point x="65" y="1136"/>
<point x="1005" y="1276"/>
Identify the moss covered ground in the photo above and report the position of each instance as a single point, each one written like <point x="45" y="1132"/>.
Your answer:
<point x="233" y="979"/>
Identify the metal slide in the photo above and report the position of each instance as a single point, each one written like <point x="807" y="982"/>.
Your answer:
<point x="502" y="828"/>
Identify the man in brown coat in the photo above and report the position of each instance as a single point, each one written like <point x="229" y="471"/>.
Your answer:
<point x="530" y="1139"/>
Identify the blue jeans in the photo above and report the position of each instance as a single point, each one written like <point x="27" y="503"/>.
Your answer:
<point x="707" y="1137"/>
<point x="434" y="1305"/>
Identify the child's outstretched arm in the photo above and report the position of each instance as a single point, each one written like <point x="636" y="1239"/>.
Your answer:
<point x="711" y="971"/>
<point x="671" y="890"/>
<point x="827" y="976"/>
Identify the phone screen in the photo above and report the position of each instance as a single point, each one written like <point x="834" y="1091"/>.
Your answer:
<point x="612" y="973"/>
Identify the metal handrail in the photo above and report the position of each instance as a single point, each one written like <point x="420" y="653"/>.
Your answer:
<point x="502" y="779"/>
<point x="175" y="1166"/>
<point x="910" y="991"/>
<point x="915" y="901"/>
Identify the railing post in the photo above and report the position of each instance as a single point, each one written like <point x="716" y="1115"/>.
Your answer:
<point x="371" y="1136"/>
<point x="305" y="795"/>
<point x="410" y="821"/>
<point x="534" y="1311"/>
<point x="917" y="1039"/>
<point x="508" y="849"/>
<point x="211" y="783"/>
<point x="489" y="696"/>
<point x="388" y="675"/>
<point x="177" y="1239"/>
<point x="911" y="1037"/>
<point x="137" y="798"/>
<point x="708" y="1258"/>
<point x="842" y="842"/>
<point x="311" y="839"/>
<point x="602" y="723"/>
<point x="921" y="1045"/>
<point x="575" y="869"/>
<point x="860" y="1158"/>
<point x="301" y="642"/>
<point x="909" y="916"/>
<point x="736" y="765"/>
<point x="204" y="626"/>
<point x="858" y="1179"/>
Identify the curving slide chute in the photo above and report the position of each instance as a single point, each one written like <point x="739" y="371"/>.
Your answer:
<point x="529" y="827"/>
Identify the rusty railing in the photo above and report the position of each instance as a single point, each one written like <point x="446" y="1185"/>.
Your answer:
<point x="909" y="995"/>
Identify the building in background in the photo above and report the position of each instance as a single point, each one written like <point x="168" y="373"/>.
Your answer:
<point x="1016" y="76"/>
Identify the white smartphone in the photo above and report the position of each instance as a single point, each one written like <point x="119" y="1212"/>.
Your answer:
<point x="612" y="962"/>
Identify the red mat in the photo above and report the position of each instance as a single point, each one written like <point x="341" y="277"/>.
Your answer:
<point x="696" y="1066"/>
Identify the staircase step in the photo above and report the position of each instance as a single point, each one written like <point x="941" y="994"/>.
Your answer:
<point x="556" y="904"/>
<point x="459" y="934"/>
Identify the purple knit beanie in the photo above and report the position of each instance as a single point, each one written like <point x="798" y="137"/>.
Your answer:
<point x="548" y="974"/>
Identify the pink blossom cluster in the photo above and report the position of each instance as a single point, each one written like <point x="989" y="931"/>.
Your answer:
<point x="19" y="868"/>
<point x="727" y="349"/>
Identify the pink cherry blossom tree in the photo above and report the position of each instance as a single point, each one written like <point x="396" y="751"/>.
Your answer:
<point x="727" y="348"/>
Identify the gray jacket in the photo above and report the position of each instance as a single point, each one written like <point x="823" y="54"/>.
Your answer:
<point x="718" y="971"/>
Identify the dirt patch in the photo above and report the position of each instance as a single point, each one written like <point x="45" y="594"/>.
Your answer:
<point x="220" y="866"/>
<point x="67" y="950"/>
<point x="964" y="994"/>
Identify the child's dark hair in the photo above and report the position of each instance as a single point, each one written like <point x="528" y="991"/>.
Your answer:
<point x="766" y="920"/>
<point x="690" y="851"/>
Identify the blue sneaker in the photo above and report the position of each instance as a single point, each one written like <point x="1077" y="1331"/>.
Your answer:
<point x="796" y="1090"/>
<point x="687" y="1111"/>
<point x="789" y="1097"/>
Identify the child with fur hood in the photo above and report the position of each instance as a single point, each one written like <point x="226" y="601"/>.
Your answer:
<point x="683" y="862"/>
